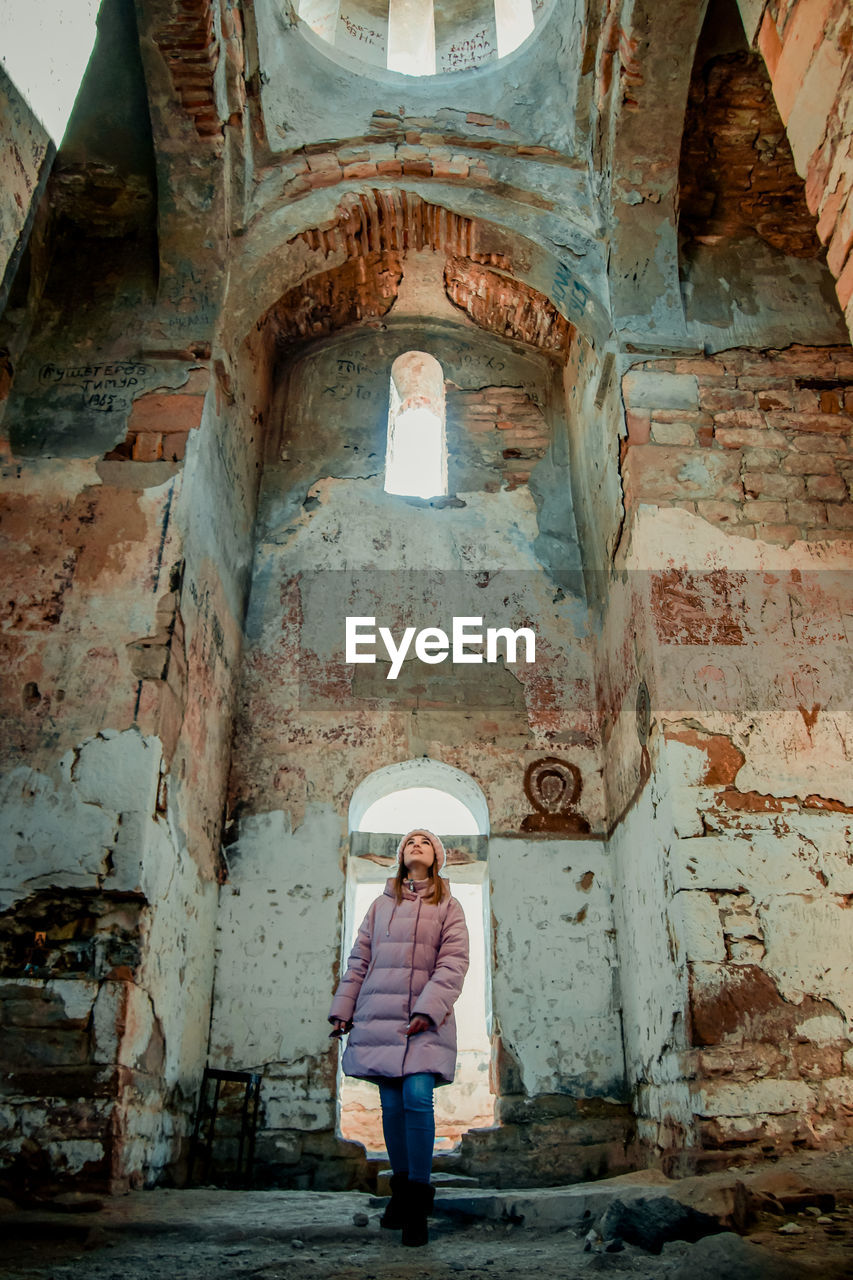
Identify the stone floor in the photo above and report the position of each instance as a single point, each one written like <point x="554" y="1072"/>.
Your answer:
<point x="281" y="1235"/>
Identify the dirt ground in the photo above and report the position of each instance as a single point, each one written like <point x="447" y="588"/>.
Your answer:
<point x="279" y="1235"/>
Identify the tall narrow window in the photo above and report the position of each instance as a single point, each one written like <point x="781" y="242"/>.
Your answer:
<point x="411" y="37"/>
<point x="514" y="20"/>
<point x="321" y="16"/>
<point x="416" y="457"/>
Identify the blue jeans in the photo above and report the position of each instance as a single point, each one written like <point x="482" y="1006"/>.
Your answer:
<point x="408" y="1123"/>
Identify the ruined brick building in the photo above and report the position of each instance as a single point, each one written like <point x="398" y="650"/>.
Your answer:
<point x="623" y="232"/>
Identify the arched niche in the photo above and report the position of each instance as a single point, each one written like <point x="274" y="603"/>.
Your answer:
<point x="419" y="773"/>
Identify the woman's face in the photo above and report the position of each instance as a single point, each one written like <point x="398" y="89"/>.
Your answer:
<point x="418" y="852"/>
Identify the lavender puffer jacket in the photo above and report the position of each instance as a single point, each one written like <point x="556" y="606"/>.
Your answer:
<point x="409" y="957"/>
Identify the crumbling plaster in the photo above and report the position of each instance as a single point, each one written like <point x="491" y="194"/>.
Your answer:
<point x="735" y="1030"/>
<point x="292" y="56"/>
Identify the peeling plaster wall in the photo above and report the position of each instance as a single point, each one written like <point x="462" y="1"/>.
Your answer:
<point x="551" y="909"/>
<point x="126" y="568"/>
<point x="332" y="543"/>
<point x="26" y="152"/>
<point x="742" y="1040"/>
<point x="653" y="978"/>
<point x="295" y="58"/>
<point x="275" y="964"/>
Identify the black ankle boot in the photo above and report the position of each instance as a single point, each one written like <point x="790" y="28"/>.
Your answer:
<point x="421" y="1196"/>
<point x="394" y="1216"/>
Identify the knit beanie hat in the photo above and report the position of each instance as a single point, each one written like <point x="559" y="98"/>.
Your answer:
<point x="440" y="851"/>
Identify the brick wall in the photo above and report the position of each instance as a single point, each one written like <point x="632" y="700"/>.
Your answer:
<point x="758" y="443"/>
<point x="807" y="47"/>
<point x="505" y="427"/>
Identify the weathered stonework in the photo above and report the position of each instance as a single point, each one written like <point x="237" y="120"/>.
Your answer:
<point x="648" y="399"/>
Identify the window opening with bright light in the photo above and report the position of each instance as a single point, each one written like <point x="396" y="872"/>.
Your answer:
<point x="419" y="37"/>
<point x="416" y="456"/>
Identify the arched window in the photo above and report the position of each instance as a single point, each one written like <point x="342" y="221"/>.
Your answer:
<point x="416" y="456"/>
<point x="384" y="805"/>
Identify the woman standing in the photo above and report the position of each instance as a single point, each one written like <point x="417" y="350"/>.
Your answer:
<point x="396" y="998"/>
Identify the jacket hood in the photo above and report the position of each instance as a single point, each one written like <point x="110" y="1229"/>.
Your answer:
<point x="421" y="886"/>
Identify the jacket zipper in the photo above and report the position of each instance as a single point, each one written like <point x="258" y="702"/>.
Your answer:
<point x="411" y="977"/>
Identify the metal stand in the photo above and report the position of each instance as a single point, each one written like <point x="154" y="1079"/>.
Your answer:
<point x="251" y="1080"/>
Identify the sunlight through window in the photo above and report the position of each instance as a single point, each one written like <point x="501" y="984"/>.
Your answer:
<point x="416" y="458"/>
<point x="403" y="810"/>
<point x="411" y="37"/>
<point x="321" y="16"/>
<point x="514" y="19"/>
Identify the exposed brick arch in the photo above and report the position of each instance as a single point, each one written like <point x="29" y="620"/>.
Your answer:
<point x="375" y="232"/>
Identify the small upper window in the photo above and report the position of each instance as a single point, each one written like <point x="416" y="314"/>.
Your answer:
<point x="422" y="37"/>
<point x="416" y="457"/>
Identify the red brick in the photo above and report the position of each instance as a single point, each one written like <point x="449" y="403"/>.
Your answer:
<point x="706" y="370"/>
<point x="166" y="413"/>
<point x="844" y="284"/>
<point x="807" y="513"/>
<point x="837" y="424"/>
<point x="749" y="438"/>
<point x="692" y="416"/>
<point x="147" y="446"/>
<point x="197" y="383"/>
<point x="323" y="160"/>
<point x="638" y="423"/>
<point x="772" y="484"/>
<point x="175" y="446"/>
<point x="765" y="381"/>
<point x="665" y="473"/>
<point x="769" y="43"/>
<point x="417" y="168"/>
<point x="390" y="168"/>
<point x="829" y="212"/>
<point x="817" y="444"/>
<point x="781" y="533"/>
<point x="762" y="512"/>
<point x="774" y="400"/>
<point x="720" y="512"/>
<point x="830" y="488"/>
<point x="804" y="34"/>
<point x="362" y="169"/>
<point x="842" y="239"/>
<point x="713" y="399"/>
<point x="840" y="515"/>
<point x="809" y="464"/>
<point x="760" y="459"/>
<point x="449" y="169"/>
<point x="677" y="433"/>
<point x="325" y="177"/>
<point x="751" y="418"/>
<point x="830" y="401"/>
<point x="805" y="401"/>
